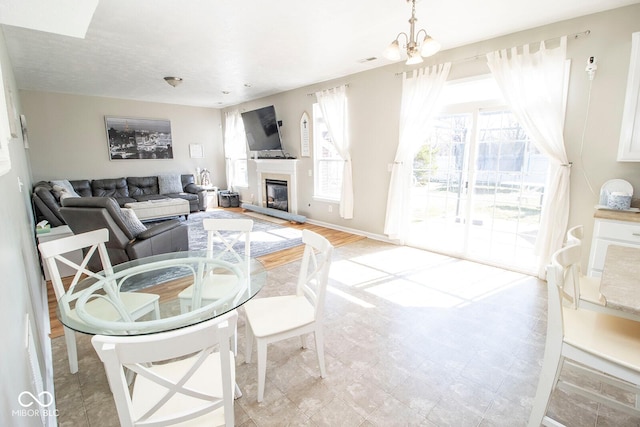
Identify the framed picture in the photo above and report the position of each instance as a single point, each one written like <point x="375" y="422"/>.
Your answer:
<point x="196" y="151"/>
<point x="133" y="139"/>
<point x="305" y="125"/>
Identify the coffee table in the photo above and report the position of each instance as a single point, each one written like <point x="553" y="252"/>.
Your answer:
<point x="160" y="208"/>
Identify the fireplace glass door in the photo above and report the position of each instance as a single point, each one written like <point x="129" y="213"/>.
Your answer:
<point x="277" y="194"/>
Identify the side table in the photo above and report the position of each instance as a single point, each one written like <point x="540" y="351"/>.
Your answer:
<point x="212" y="196"/>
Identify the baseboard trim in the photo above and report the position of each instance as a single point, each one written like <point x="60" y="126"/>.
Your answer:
<point x="374" y="236"/>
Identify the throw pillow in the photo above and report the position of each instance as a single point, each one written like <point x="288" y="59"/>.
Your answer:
<point x="169" y="184"/>
<point x="67" y="185"/>
<point x="62" y="193"/>
<point x="132" y="222"/>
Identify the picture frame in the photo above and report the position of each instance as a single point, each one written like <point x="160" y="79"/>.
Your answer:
<point x="196" y="151"/>
<point x="305" y="126"/>
<point x="138" y="138"/>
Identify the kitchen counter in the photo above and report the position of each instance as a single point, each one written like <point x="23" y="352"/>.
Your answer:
<point x="617" y="215"/>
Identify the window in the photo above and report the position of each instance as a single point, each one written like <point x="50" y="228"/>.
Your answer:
<point x="235" y="147"/>
<point x="478" y="181"/>
<point x="240" y="178"/>
<point x="327" y="163"/>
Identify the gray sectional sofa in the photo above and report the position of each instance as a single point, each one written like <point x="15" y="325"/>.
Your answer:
<point x="46" y="196"/>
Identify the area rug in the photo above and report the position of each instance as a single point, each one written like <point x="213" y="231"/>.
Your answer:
<point x="266" y="236"/>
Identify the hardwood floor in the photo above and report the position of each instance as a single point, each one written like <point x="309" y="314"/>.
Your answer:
<point x="272" y="260"/>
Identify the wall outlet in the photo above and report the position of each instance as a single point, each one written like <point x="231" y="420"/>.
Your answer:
<point x="310" y="172"/>
<point x="330" y="208"/>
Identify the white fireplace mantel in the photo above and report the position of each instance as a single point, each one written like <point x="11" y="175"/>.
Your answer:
<point x="287" y="168"/>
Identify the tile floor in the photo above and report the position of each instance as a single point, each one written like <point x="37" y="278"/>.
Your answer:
<point x="412" y="338"/>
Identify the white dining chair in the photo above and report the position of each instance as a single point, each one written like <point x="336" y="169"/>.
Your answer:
<point x="585" y="290"/>
<point x="598" y="346"/>
<point x="181" y="376"/>
<point x="109" y="307"/>
<point x="278" y="318"/>
<point x="229" y="233"/>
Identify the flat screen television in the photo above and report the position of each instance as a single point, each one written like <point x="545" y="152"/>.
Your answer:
<point x="261" y="127"/>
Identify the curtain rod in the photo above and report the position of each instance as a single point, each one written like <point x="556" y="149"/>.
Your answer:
<point x="314" y="93"/>
<point x="475" y="57"/>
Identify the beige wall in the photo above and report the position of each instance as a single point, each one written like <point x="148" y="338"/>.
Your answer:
<point x="374" y="99"/>
<point x="67" y="137"/>
<point x="24" y="295"/>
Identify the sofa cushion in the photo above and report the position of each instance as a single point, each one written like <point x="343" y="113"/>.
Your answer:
<point x="146" y="197"/>
<point x="133" y="223"/>
<point x="111" y="187"/>
<point x="82" y="187"/>
<point x="185" y="196"/>
<point x="169" y="184"/>
<point x="62" y="192"/>
<point x="142" y="185"/>
<point x="66" y="185"/>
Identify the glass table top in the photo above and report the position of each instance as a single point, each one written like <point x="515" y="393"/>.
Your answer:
<point x="160" y="293"/>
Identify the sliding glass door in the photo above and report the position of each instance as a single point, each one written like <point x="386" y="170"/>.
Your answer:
<point x="478" y="188"/>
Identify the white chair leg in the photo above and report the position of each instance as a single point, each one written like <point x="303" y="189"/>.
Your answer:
<point x="320" y="352"/>
<point x="262" y="367"/>
<point x="248" y="343"/>
<point x="238" y="393"/>
<point x="234" y="344"/>
<point x="72" y="350"/>
<point x="550" y="367"/>
<point x="303" y="340"/>
<point x="156" y="310"/>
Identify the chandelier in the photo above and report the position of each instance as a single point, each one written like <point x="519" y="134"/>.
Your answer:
<point x="415" y="49"/>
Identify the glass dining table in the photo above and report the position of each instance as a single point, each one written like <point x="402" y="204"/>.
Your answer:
<point x="170" y="276"/>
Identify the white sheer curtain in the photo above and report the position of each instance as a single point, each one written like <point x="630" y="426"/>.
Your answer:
<point x="535" y="86"/>
<point x="420" y="92"/>
<point x="333" y="104"/>
<point x="235" y="146"/>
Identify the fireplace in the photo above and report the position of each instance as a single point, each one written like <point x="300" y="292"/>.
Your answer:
<point x="277" y="194"/>
<point x="277" y="169"/>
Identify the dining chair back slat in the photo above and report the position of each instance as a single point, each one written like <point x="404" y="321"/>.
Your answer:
<point x="183" y="375"/>
<point x="598" y="346"/>
<point x="112" y="305"/>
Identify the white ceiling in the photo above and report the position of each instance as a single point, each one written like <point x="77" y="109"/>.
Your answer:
<point x="250" y="48"/>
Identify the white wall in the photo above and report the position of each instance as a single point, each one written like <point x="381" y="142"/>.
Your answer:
<point x="23" y="289"/>
<point x="67" y="137"/>
<point x="374" y="100"/>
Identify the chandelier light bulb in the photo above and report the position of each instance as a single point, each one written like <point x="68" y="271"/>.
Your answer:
<point x="392" y="52"/>
<point x="415" y="50"/>
<point x="414" y="58"/>
<point x="429" y="47"/>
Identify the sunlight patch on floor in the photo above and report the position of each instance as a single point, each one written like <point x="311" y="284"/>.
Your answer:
<point x="273" y="235"/>
<point x="353" y="274"/>
<point x="409" y="294"/>
<point x="349" y="297"/>
<point x="400" y="258"/>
